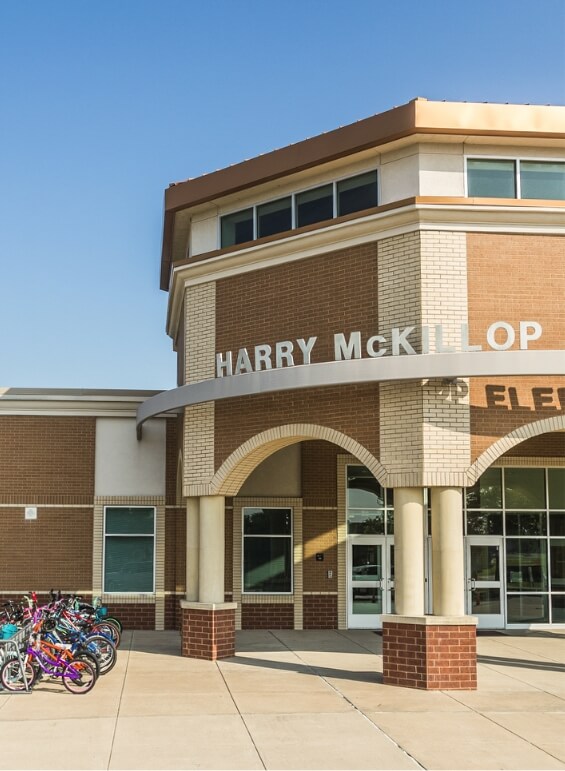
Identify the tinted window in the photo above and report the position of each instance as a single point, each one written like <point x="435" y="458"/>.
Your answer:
<point x="314" y="205"/>
<point x="274" y="217"/>
<point x="237" y="228"/>
<point x="542" y="180"/>
<point x="357" y="193"/>
<point x="491" y="179"/>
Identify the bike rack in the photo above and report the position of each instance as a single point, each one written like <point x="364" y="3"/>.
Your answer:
<point x="15" y="645"/>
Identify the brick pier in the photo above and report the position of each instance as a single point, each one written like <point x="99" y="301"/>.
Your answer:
<point x="207" y="630"/>
<point x="430" y="652"/>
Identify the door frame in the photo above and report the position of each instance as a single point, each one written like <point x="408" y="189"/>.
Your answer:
<point x="373" y="621"/>
<point x="485" y="620"/>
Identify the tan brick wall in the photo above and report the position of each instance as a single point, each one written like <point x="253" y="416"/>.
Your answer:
<point x="200" y="338"/>
<point x="422" y="281"/>
<point x="46" y="459"/>
<point x="52" y="552"/>
<point x="513" y="278"/>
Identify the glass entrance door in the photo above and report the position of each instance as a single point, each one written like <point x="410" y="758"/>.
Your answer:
<point x="370" y="580"/>
<point x="485" y="589"/>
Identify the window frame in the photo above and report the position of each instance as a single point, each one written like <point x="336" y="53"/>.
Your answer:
<point x="244" y="536"/>
<point x="517" y="160"/>
<point x="121" y="535"/>
<point x="293" y="195"/>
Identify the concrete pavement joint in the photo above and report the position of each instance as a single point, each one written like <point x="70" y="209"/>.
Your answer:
<point x="355" y="707"/>
<point x="120" y="702"/>
<point x="240" y="715"/>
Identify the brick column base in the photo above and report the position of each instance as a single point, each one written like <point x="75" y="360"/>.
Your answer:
<point x="430" y="652"/>
<point x="207" y="630"/>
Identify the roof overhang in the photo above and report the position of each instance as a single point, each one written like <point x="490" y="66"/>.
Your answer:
<point x="417" y="117"/>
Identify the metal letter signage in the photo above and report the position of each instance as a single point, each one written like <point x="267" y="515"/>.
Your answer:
<point x="400" y="341"/>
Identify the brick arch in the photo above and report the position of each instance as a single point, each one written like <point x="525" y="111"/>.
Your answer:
<point x="506" y="443"/>
<point x="239" y="465"/>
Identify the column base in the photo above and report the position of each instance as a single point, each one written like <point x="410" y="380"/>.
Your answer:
<point x="430" y="652"/>
<point x="207" y="630"/>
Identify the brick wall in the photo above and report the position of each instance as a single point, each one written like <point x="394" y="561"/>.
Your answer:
<point x="320" y="611"/>
<point x="228" y="548"/>
<point x="173" y="615"/>
<point x="46" y="459"/>
<point x="52" y="552"/>
<point x="267" y="616"/>
<point x="133" y="615"/>
<point x="513" y="278"/>
<point x="544" y="446"/>
<point x="336" y="292"/>
<point x="208" y="634"/>
<point x="171" y="462"/>
<point x="175" y="550"/>
<point x="430" y="657"/>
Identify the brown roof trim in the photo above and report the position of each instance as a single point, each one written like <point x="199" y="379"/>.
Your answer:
<point x="416" y="117"/>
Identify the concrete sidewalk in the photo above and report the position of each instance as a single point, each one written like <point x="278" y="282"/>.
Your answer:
<point x="294" y="700"/>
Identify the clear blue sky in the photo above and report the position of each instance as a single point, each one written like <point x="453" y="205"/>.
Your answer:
<point x="104" y="103"/>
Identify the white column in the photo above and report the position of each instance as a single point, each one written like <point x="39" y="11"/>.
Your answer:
<point x="211" y="563"/>
<point x="447" y="552"/>
<point x="192" y="548"/>
<point x="409" y="551"/>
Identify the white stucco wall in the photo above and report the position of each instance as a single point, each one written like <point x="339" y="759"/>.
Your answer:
<point x="126" y="466"/>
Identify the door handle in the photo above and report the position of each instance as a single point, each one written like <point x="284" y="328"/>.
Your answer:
<point x="472" y="583"/>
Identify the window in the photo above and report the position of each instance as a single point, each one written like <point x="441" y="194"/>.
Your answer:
<point x="526" y="506"/>
<point x="267" y="550"/>
<point x="491" y="179"/>
<point x="315" y="205"/>
<point x="237" y="228"/>
<point x="300" y="209"/>
<point x="515" y="178"/>
<point x="129" y="549"/>
<point x="274" y="217"/>
<point x="542" y="179"/>
<point x="370" y="508"/>
<point x="357" y="193"/>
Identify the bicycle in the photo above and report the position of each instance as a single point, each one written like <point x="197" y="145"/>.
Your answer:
<point x="77" y="675"/>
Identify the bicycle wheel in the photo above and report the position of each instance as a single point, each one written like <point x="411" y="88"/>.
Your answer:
<point x="11" y="675"/>
<point x="104" y="650"/>
<point x="79" y="676"/>
<point x="115" y="621"/>
<point x="108" y="629"/>
<point x="82" y="655"/>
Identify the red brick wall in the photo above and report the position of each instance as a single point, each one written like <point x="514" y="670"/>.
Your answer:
<point x="133" y="616"/>
<point x="207" y="634"/>
<point x="267" y="616"/>
<point x="430" y="657"/>
<point x="320" y="611"/>
<point x="173" y="616"/>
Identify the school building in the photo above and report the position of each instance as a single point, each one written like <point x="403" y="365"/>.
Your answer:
<point x="369" y="425"/>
